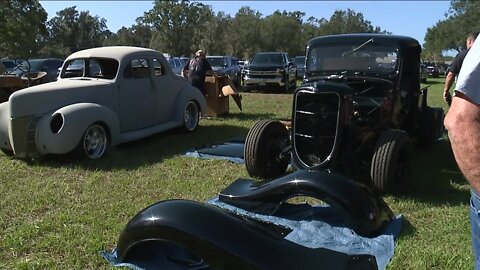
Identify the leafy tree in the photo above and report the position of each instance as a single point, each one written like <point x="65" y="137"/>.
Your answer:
<point x="347" y="21"/>
<point x="451" y="33"/>
<point x="175" y="24"/>
<point x="138" y="35"/>
<point x="70" y="31"/>
<point x="23" y="28"/>
<point x="280" y="29"/>
<point x="246" y="27"/>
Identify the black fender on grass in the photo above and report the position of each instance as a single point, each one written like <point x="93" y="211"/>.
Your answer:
<point x="359" y="206"/>
<point x="192" y="235"/>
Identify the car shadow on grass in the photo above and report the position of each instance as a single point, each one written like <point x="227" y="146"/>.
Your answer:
<point x="150" y="150"/>
<point x="436" y="179"/>
<point x="244" y="116"/>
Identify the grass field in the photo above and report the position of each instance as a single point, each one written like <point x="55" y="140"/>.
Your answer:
<point x="59" y="212"/>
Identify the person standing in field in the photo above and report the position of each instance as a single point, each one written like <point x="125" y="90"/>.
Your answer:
<point x="196" y="70"/>
<point x="463" y="125"/>
<point x="455" y="67"/>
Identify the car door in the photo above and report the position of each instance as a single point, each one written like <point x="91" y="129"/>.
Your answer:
<point x="137" y="96"/>
<point x="167" y="86"/>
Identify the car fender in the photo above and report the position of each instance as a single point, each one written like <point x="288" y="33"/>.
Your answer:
<point x="4" y="126"/>
<point x="188" y="93"/>
<point x="360" y="206"/>
<point x="223" y="240"/>
<point x="61" y="131"/>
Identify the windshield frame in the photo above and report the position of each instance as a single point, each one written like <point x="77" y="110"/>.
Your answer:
<point x="268" y="59"/>
<point x="345" y="58"/>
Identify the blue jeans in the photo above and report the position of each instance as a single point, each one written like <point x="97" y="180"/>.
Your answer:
<point x="475" y="226"/>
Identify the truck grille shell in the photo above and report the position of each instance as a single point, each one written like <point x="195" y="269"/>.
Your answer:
<point x="315" y="126"/>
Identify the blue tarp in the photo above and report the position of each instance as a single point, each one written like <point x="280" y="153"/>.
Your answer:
<point x="231" y="150"/>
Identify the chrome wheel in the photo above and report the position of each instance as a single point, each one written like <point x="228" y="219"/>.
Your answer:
<point x="191" y="116"/>
<point x="95" y="141"/>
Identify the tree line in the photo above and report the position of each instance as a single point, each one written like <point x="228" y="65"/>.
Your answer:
<point x="180" y="27"/>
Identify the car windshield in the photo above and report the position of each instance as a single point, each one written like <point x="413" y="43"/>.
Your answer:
<point x="97" y="68"/>
<point x="299" y="61"/>
<point x="267" y="58"/>
<point x="215" y="61"/>
<point x="368" y="57"/>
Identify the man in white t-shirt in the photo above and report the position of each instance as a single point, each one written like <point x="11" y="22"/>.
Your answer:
<point x="463" y="125"/>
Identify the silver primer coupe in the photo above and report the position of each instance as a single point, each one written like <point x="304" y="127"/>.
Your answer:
<point x="103" y="97"/>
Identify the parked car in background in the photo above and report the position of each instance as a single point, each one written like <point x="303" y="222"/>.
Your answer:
<point x="9" y="65"/>
<point x="442" y="69"/>
<point x="225" y="65"/>
<point x="34" y="67"/>
<point x="268" y="70"/>
<point x="432" y="70"/>
<point x="177" y="65"/>
<point x="423" y="73"/>
<point x="103" y="97"/>
<point x="184" y="60"/>
<point x="300" y="63"/>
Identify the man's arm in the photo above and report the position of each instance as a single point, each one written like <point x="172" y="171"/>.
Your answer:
<point x="449" y="79"/>
<point x="463" y="125"/>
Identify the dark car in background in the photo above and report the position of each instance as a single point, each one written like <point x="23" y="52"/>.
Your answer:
<point x="49" y="65"/>
<point x="226" y="65"/>
<point x="423" y="73"/>
<point x="300" y="63"/>
<point x="269" y="70"/>
<point x="432" y="70"/>
<point x="9" y="65"/>
<point x="176" y="64"/>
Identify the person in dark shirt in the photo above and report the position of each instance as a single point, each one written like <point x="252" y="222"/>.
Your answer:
<point x="196" y="69"/>
<point x="455" y="67"/>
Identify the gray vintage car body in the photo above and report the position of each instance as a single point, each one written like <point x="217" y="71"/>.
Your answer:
<point x="132" y="94"/>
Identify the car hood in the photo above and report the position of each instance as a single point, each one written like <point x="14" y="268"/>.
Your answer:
<point x="216" y="68"/>
<point x="40" y="99"/>
<point x="265" y="66"/>
<point x="337" y="75"/>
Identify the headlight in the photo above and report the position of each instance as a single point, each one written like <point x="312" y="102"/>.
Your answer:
<point x="280" y="71"/>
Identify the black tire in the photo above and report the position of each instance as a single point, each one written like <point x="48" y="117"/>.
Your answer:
<point x="287" y="83"/>
<point x="439" y="128"/>
<point x="294" y="84"/>
<point x="95" y="142"/>
<point x="390" y="169"/>
<point x="7" y="152"/>
<point x="191" y="117"/>
<point x="427" y="128"/>
<point x="263" y="147"/>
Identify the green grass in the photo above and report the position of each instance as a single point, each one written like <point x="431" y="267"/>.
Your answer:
<point x="59" y="212"/>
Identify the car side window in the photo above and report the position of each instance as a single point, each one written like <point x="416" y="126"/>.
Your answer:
<point x="158" y="70"/>
<point x="137" y="69"/>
